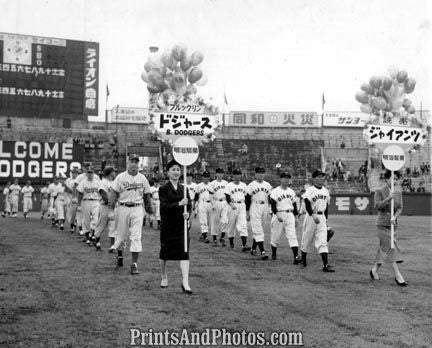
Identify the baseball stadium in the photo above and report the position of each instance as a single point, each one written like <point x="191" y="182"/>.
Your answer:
<point x="57" y="291"/>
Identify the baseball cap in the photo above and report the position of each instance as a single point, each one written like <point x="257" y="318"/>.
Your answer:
<point x="259" y="170"/>
<point x="236" y="172"/>
<point x="90" y="169"/>
<point x="133" y="156"/>
<point x="219" y="170"/>
<point x="75" y="170"/>
<point x="205" y="174"/>
<point x="108" y="170"/>
<point x="285" y="175"/>
<point x="317" y="173"/>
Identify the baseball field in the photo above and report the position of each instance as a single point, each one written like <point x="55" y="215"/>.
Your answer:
<point x="57" y="292"/>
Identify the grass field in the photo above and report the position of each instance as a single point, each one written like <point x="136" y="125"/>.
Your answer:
<point x="57" y="292"/>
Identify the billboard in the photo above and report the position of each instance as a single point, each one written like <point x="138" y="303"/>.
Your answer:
<point x="128" y="115"/>
<point x="345" y="119"/>
<point x="35" y="160"/>
<point x="274" y="119"/>
<point x="48" y="78"/>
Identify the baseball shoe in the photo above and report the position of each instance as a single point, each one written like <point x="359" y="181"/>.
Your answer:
<point x="297" y="260"/>
<point x="42" y="217"/>
<point x="62" y="227"/>
<point x="253" y="252"/>
<point x="111" y="250"/>
<point x="201" y="238"/>
<point x="98" y="247"/>
<point x="4" y="215"/>
<point x="328" y="268"/>
<point x="119" y="261"/>
<point x="232" y="246"/>
<point x="264" y="256"/>
<point x="374" y="276"/>
<point x="134" y="269"/>
<point x="245" y="249"/>
<point x="274" y="258"/>
<point x="215" y="243"/>
<point x="222" y="240"/>
<point x="206" y="240"/>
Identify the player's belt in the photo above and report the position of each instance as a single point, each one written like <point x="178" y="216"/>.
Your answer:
<point x="238" y="202"/>
<point x="90" y="199"/>
<point x="285" y="211"/>
<point x="155" y="199"/>
<point x="207" y="201"/>
<point x="221" y="200"/>
<point x="130" y="205"/>
<point x="260" y="202"/>
<point x="320" y="213"/>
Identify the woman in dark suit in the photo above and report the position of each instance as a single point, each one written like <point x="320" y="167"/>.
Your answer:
<point x="172" y="202"/>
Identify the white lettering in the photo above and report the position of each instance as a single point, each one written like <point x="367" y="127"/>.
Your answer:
<point x="18" y="169"/>
<point x="4" y="168"/>
<point x="343" y="203"/>
<point x="61" y="169"/>
<point x="51" y="152"/>
<point x="3" y="154"/>
<point x="33" y="169"/>
<point x="19" y="154"/>
<point x="47" y="169"/>
<point x="35" y="146"/>
<point x="67" y="151"/>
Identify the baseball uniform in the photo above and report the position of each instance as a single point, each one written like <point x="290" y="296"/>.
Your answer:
<point x="192" y="191"/>
<point x="52" y="190"/>
<point x="130" y="212"/>
<point x="106" y="221"/>
<point x="14" y="197"/>
<point x="44" y="201"/>
<point x="89" y="205"/>
<point x="79" y="215"/>
<point x="259" y="195"/>
<point x="203" y="196"/>
<point x="219" y="213"/>
<point x="27" y="192"/>
<point x="71" y="202"/>
<point x="7" y="202"/>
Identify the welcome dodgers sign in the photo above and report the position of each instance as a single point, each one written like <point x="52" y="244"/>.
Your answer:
<point x="35" y="160"/>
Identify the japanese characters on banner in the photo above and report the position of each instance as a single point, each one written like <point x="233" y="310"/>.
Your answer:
<point x="91" y="82"/>
<point x="35" y="160"/>
<point x="128" y="115"/>
<point x="274" y="119"/>
<point x="345" y="119"/>
<point x="382" y="134"/>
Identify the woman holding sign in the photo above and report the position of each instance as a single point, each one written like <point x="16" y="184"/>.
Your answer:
<point x="383" y="197"/>
<point x="172" y="202"/>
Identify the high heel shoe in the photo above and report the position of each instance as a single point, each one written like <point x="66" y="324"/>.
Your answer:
<point x="373" y="276"/>
<point x="189" y="292"/>
<point x="163" y="286"/>
<point x="405" y="283"/>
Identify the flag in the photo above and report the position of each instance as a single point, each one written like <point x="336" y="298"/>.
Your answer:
<point x="225" y="99"/>
<point x="323" y="102"/>
<point x="107" y="91"/>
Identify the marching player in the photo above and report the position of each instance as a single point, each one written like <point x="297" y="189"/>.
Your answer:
<point x="203" y="196"/>
<point x="44" y="200"/>
<point x="27" y="192"/>
<point x="15" y="190"/>
<point x="60" y="202"/>
<point x="71" y="199"/>
<point x="219" y="214"/>
<point x="235" y="193"/>
<point x="284" y="207"/>
<point x="257" y="201"/>
<point x="129" y="188"/>
<point x="88" y="197"/>
<point x="316" y="199"/>
<point x="7" y="202"/>
<point x="154" y="192"/>
<point x="191" y="186"/>
<point x="106" y="221"/>
<point x="52" y="190"/>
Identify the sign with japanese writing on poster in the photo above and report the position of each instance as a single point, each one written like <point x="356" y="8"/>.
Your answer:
<point x="274" y="119"/>
<point x="345" y="119"/>
<point x="48" y="77"/>
<point x="128" y="115"/>
<point x="185" y="151"/>
<point x="383" y="134"/>
<point x="393" y="157"/>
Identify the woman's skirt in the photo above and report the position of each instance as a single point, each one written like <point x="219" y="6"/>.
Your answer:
<point x="385" y="253"/>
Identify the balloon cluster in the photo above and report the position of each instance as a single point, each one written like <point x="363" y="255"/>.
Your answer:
<point x="386" y="95"/>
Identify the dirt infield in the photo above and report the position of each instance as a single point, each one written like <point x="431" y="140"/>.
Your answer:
<point x="57" y="292"/>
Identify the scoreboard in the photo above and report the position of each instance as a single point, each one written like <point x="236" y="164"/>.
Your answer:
<point x="44" y="77"/>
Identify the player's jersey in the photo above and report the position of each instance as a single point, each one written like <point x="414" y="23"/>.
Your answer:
<point x="105" y="185"/>
<point x="89" y="189"/>
<point x="52" y="190"/>
<point x="218" y="189"/>
<point x="204" y="192"/>
<point x="236" y="192"/>
<point x="318" y="197"/>
<point x="154" y="191"/>
<point x="44" y="193"/>
<point x="284" y="199"/>
<point x="70" y="185"/>
<point x="6" y="193"/>
<point x="15" y="190"/>
<point x="27" y="191"/>
<point x="131" y="188"/>
<point x="259" y="192"/>
<point x="81" y="177"/>
<point x="192" y="190"/>
<point x="61" y="191"/>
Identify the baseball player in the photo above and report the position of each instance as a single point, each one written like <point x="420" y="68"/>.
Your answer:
<point x="61" y="202"/>
<point x="154" y="194"/>
<point x="7" y="202"/>
<point x="219" y="214"/>
<point x="52" y="190"/>
<point x="71" y="199"/>
<point x="316" y="200"/>
<point x="106" y="221"/>
<point x="27" y="192"/>
<point x="257" y="204"/>
<point x="203" y="196"/>
<point x="191" y="186"/>
<point x="44" y="200"/>
<point x="88" y="197"/>
<point x="235" y="193"/>
<point x="15" y="190"/>
<point x="129" y="188"/>
<point x="284" y="207"/>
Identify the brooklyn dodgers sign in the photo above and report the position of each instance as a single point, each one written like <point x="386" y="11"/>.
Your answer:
<point x="35" y="160"/>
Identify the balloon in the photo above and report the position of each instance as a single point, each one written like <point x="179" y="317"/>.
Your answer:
<point x="366" y="108"/>
<point x="186" y="63"/>
<point x="387" y="83"/>
<point x="393" y="71"/>
<point x="410" y="109"/>
<point x="202" y="81"/>
<point x="375" y="82"/>
<point x="195" y="74"/>
<point x="178" y="81"/>
<point x="167" y="58"/>
<point x="366" y="87"/>
<point x="406" y="102"/>
<point x="191" y="89"/>
<point x="148" y="66"/>
<point x="153" y="89"/>
<point x="178" y="52"/>
<point x="362" y="97"/>
<point x="410" y="85"/>
<point x="144" y="77"/>
<point x="197" y="58"/>
<point x="155" y="78"/>
<point x="379" y="103"/>
<point x="402" y="76"/>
